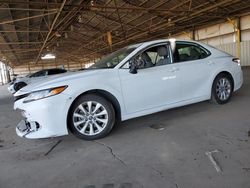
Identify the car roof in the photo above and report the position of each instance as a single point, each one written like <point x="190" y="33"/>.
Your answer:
<point x="164" y="40"/>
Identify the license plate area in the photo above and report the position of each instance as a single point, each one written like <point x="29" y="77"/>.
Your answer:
<point x="23" y="126"/>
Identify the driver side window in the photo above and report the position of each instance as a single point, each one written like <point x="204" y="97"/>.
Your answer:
<point x="154" y="56"/>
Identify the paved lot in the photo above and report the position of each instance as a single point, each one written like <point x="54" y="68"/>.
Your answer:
<point x="135" y="155"/>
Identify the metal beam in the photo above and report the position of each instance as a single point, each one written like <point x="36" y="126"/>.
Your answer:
<point x="22" y="31"/>
<point x="63" y="24"/>
<point x="26" y="18"/>
<point x="120" y="20"/>
<point x="51" y="29"/>
<point x="20" y="50"/>
<point x="98" y="7"/>
<point x="164" y="25"/>
<point x="113" y="29"/>
<point x="29" y="9"/>
<point x="8" y="43"/>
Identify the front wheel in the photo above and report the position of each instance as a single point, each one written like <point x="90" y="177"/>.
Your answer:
<point x="222" y="89"/>
<point x="91" y="117"/>
<point x="19" y="85"/>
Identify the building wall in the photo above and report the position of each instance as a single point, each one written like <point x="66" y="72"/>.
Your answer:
<point x="224" y="37"/>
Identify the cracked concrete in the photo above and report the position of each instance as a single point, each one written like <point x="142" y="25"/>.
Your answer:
<point x="135" y="154"/>
<point x="158" y="172"/>
<point x="111" y="151"/>
<point x="53" y="147"/>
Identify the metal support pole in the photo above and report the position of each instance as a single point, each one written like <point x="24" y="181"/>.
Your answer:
<point x="7" y="74"/>
<point x="1" y="74"/>
<point x="55" y="63"/>
<point x="193" y="33"/>
<point x="29" y="67"/>
<point x="237" y="29"/>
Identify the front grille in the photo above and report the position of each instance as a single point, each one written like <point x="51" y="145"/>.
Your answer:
<point x="20" y="97"/>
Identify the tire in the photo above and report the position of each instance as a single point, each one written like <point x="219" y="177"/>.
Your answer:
<point x="19" y="85"/>
<point x="222" y="89"/>
<point x="91" y="117"/>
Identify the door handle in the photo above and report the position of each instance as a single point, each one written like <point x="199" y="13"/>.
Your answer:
<point x="174" y="69"/>
<point x="210" y="63"/>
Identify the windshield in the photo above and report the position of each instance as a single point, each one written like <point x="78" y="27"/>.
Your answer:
<point x="113" y="59"/>
<point x="38" y="74"/>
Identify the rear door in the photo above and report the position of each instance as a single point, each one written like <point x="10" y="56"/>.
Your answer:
<point x="195" y="69"/>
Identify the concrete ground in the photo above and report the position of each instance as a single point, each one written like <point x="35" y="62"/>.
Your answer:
<point x="166" y="149"/>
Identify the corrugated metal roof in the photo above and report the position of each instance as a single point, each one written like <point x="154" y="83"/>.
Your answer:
<point x="79" y="33"/>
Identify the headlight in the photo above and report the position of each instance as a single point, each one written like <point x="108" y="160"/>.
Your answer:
<point x="36" y="95"/>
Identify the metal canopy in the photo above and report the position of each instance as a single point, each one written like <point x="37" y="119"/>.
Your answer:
<point x="77" y="30"/>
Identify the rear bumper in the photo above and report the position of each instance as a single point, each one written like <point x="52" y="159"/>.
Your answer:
<point x="238" y="80"/>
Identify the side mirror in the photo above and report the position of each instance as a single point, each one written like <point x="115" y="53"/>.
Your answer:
<point x="132" y="67"/>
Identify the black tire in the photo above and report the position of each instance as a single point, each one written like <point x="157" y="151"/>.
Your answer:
<point x="228" y="89"/>
<point x="96" y="99"/>
<point x="19" y="85"/>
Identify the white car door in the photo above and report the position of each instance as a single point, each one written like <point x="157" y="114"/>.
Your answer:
<point x="152" y="87"/>
<point x="195" y="70"/>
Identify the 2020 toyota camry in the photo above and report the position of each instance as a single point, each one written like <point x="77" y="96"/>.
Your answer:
<point x="134" y="81"/>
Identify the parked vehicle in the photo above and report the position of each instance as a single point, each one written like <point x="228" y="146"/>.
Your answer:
<point x="134" y="81"/>
<point x="19" y="83"/>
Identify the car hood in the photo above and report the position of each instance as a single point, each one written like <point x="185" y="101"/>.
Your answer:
<point x="57" y="80"/>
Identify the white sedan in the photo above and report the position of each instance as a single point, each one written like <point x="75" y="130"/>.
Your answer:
<point x="134" y="81"/>
<point x="21" y="82"/>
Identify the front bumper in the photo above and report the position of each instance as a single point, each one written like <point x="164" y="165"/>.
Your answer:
<point x="11" y="89"/>
<point x="44" y="118"/>
<point x="24" y="128"/>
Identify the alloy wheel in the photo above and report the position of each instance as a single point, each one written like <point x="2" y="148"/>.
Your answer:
<point x="223" y="89"/>
<point x="90" y="118"/>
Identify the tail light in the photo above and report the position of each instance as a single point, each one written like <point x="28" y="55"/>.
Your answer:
<point x="236" y="60"/>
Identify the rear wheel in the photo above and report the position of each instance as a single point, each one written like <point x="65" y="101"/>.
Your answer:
<point x="222" y="89"/>
<point x="91" y="117"/>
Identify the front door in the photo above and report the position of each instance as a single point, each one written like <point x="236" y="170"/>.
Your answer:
<point x="156" y="84"/>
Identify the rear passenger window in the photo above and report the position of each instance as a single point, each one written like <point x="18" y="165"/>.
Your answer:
<point x="189" y="52"/>
<point x="56" y="71"/>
